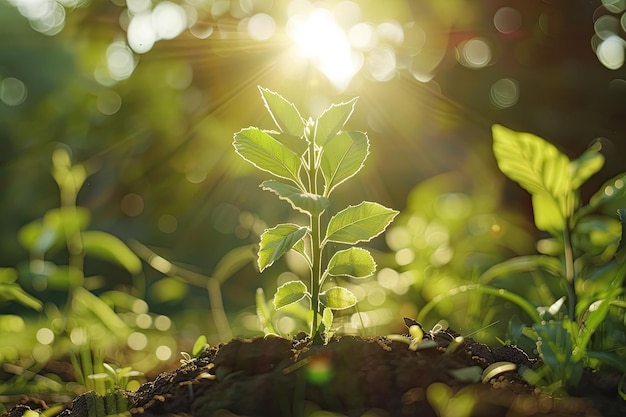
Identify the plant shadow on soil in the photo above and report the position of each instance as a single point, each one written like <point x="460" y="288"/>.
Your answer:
<point x="354" y="376"/>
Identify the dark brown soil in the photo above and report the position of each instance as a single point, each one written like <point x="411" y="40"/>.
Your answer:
<point x="356" y="376"/>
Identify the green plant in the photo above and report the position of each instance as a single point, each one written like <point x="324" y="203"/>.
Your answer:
<point x="576" y="305"/>
<point x="310" y="159"/>
<point x="75" y="319"/>
<point x="584" y="252"/>
<point x="579" y="319"/>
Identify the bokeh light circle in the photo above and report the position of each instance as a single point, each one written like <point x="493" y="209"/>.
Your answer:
<point x="474" y="53"/>
<point x="504" y="93"/>
<point x="507" y="20"/>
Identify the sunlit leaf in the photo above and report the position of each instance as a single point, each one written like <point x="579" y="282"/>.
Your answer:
<point x="108" y="247"/>
<point x="547" y="213"/>
<point x="267" y="154"/>
<point x="289" y="293"/>
<point x="338" y="298"/>
<point x="353" y="262"/>
<point x="296" y="144"/>
<point x="332" y="121"/>
<point x="327" y="318"/>
<point x="199" y="345"/>
<point x="284" y="113"/>
<point x="532" y="162"/>
<point x="263" y="312"/>
<point x="586" y="165"/>
<point x="302" y="201"/>
<point x="359" y="223"/>
<point x="277" y="241"/>
<point x="343" y="157"/>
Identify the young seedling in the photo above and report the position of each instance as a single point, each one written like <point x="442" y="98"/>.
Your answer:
<point x="309" y="160"/>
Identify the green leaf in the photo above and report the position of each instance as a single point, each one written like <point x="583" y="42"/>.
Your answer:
<point x="342" y="158"/>
<point x="338" y="298"/>
<point x="289" y="293"/>
<point x="535" y="164"/>
<point x="284" y="113"/>
<point x="199" y="345"/>
<point x="547" y="213"/>
<point x="277" y="241"/>
<point x="332" y="121"/>
<point x="266" y="153"/>
<point x="360" y="223"/>
<point x="612" y="190"/>
<point x="108" y="247"/>
<point x="593" y="318"/>
<point x="302" y="201"/>
<point x="296" y="144"/>
<point x="353" y="262"/>
<point x="263" y="312"/>
<point x="327" y="318"/>
<point x="586" y="165"/>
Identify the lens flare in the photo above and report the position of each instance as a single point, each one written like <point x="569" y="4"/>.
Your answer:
<point x="319" y="38"/>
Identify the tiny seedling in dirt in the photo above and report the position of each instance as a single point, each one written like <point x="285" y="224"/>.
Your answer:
<point x="309" y="160"/>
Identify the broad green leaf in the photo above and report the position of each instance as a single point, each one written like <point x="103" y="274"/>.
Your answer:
<point x="360" y="223"/>
<point x="332" y="121"/>
<point x="547" y="213"/>
<point x="338" y="298"/>
<point x="535" y="164"/>
<point x="302" y="201"/>
<point x="289" y="293"/>
<point x="522" y="264"/>
<point x="612" y="190"/>
<point x="296" y="144"/>
<point x="110" y="248"/>
<point x="284" y="113"/>
<point x="556" y="345"/>
<point x="353" y="262"/>
<point x="277" y="241"/>
<point x="586" y="165"/>
<point x="266" y="153"/>
<point x="342" y="158"/>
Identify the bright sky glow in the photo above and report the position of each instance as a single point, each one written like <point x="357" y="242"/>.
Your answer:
<point x="319" y="38"/>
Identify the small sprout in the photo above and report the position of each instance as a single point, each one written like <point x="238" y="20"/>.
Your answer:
<point x="309" y="158"/>
<point x="496" y="369"/>
<point x="454" y="344"/>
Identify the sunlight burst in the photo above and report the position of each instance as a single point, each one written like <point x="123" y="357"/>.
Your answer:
<point x="319" y="38"/>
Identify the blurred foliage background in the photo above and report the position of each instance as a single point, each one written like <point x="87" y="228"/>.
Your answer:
<point x="145" y="96"/>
